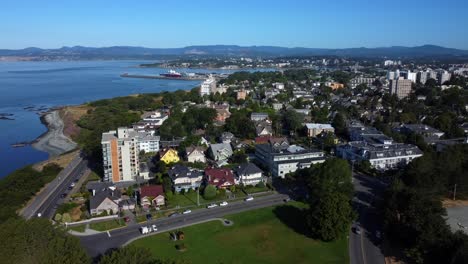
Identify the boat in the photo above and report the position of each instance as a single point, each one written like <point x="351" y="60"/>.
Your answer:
<point x="171" y="74"/>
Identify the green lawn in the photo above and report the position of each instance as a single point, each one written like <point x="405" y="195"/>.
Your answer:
<point x="269" y="235"/>
<point x="190" y="199"/>
<point x="107" y="225"/>
<point x="78" y="228"/>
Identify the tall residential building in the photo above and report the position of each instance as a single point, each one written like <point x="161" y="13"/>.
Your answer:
<point x="423" y="76"/>
<point x="400" y="87"/>
<point x="411" y="76"/>
<point x="120" y="150"/>
<point x="207" y="86"/>
<point x="444" y="77"/>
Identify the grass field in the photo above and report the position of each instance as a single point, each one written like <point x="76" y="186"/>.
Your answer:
<point x="107" y="225"/>
<point x="269" y="235"/>
<point x="78" y="228"/>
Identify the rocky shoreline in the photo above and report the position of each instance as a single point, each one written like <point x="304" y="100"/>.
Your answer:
<point x="53" y="141"/>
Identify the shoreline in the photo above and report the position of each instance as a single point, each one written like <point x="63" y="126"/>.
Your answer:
<point x="53" y="141"/>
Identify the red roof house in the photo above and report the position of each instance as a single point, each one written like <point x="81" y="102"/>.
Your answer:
<point x="152" y="194"/>
<point x="221" y="178"/>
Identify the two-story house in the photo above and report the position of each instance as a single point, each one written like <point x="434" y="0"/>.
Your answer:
<point x="195" y="154"/>
<point x="185" y="178"/>
<point x="248" y="174"/>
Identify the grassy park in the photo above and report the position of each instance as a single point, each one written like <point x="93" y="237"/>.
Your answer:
<point x="270" y="235"/>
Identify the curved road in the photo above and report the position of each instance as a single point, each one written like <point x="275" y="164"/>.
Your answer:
<point x="98" y="244"/>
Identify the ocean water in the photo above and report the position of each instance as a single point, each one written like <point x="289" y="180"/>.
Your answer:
<point x="26" y="87"/>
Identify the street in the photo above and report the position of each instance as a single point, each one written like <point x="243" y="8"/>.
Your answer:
<point x="45" y="202"/>
<point x="365" y="247"/>
<point x="100" y="243"/>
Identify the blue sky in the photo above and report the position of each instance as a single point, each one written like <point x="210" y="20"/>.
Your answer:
<point x="293" y="23"/>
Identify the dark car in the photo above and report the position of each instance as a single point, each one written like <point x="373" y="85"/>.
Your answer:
<point x="149" y="217"/>
<point x="70" y="188"/>
<point x="76" y="180"/>
<point x="174" y="214"/>
<point x="63" y="195"/>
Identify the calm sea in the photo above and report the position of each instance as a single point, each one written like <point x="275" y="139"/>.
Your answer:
<point x="26" y="87"/>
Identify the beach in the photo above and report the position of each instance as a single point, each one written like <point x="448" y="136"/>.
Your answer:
<point x="54" y="142"/>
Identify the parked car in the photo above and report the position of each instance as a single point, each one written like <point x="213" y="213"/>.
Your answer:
<point x="211" y="206"/>
<point x="77" y="179"/>
<point x="250" y="198"/>
<point x="174" y="214"/>
<point x="155" y="228"/>
<point x="72" y="184"/>
<point x="70" y="188"/>
<point x="149" y="217"/>
<point x="63" y="195"/>
<point x="145" y="230"/>
<point x="187" y="211"/>
<point x="223" y="203"/>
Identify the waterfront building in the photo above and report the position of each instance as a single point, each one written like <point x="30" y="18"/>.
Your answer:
<point x="207" y="86"/>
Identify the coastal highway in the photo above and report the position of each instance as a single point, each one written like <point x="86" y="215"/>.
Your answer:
<point x="45" y="201"/>
<point x="365" y="248"/>
<point x="98" y="244"/>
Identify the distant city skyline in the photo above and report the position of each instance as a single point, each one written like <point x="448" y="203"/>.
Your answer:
<point x="164" y="24"/>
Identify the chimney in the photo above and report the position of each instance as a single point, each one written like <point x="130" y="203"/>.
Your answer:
<point x="94" y="192"/>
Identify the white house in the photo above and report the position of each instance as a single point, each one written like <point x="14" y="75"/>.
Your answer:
<point x="248" y="174"/>
<point x="195" y="154"/>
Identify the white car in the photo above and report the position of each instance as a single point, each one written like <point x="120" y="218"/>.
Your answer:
<point x="155" y="228"/>
<point x="211" y="206"/>
<point x="72" y="184"/>
<point x="187" y="212"/>
<point x="223" y="203"/>
<point x="144" y="230"/>
<point x="249" y="199"/>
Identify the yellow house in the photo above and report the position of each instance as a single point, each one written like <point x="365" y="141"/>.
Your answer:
<point x="169" y="156"/>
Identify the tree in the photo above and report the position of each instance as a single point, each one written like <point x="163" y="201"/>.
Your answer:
<point x="339" y="124"/>
<point x="58" y="217"/>
<point x="330" y="216"/>
<point x="292" y="120"/>
<point x="167" y="184"/>
<point x="209" y="192"/>
<point x="332" y="176"/>
<point x="129" y="254"/>
<point x="38" y="241"/>
<point x="66" y="218"/>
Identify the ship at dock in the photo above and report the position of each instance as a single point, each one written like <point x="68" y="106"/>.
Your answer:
<point x="170" y="75"/>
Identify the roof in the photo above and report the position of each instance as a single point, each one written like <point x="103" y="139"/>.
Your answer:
<point x="191" y="149"/>
<point x="181" y="171"/>
<point x="100" y="196"/>
<point x="318" y="126"/>
<point x="151" y="190"/>
<point x="247" y="169"/>
<point x="218" y="177"/>
<point x="218" y="148"/>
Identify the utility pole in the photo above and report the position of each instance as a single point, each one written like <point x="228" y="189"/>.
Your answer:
<point x="454" y="191"/>
<point x="198" y="196"/>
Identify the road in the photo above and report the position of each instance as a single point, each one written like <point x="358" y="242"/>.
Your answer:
<point x="100" y="243"/>
<point x="45" y="201"/>
<point x="365" y="248"/>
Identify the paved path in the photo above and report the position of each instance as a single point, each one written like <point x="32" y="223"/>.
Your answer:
<point x="98" y="244"/>
<point x="365" y="248"/>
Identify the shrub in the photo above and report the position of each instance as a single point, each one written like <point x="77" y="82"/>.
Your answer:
<point x="260" y="185"/>
<point x="66" y="218"/>
<point x="209" y="192"/>
<point x="58" y="217"/>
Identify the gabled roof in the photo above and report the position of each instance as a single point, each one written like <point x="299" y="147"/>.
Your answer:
<point x="191" y="149"/>
<point x="181" y="171"/>
<point x="100" y="196"/>
<point x="247" y="169"/>
<point x="218" y="177"/>
<point x="151" y="190"/>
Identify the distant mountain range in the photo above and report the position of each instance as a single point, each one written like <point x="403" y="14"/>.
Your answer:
<point x="233" y="50"/>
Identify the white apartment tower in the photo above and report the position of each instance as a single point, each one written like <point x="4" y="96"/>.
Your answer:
<point x="207" y="86"/>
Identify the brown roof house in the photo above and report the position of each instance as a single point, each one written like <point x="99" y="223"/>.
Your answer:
<point x="152" y="195"/>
